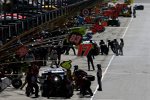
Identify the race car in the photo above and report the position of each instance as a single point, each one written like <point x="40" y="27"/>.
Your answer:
<point x="53" y="83"/>
<point x="97" y="27"/>
<point x="95" y="48"/>
<point x="87" y="36"/>
<point x="113" y="22"/>
<point x="139" y="7"/>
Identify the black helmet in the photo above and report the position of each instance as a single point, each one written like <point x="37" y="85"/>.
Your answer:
<point x="98" y="66"/>
<point x="75" y="66"/>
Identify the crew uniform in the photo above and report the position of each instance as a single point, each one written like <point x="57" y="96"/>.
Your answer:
<point x="85" y="87"/>
<point x="59" y="52"/>
<point x="78" y="74"/>
<point x="70" y="46"/>
<point x="111" y="45"/>
<point x="116" y="46"/>
<point x="53" y="57"/>
<point x="134" y="12"/>
<point x="32" y="82"/>
<point x="99" y="77"/>
<point x="101" y="44"/>
<point x="121" y="45"/>
<point x="90" y="60"/>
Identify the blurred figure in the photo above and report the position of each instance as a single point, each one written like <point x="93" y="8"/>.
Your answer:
<point x="86" y="87"/>
<point x="59" y="52"/>
<point x="35" y="68"/>
<point x="101" y="44"/>
<point x="106" y="50"/>
<point x="121" y="45"/>
<point x="116" y="46"/>
<point x="69" y="74"/>
<point x="92" y="50"/>
<point x="134" y="12"/>
<point x="2" y="74"/>
<point x="27" y="74"/>
<point x="31" y="79"/>
<point x="1" y="43"/>
<point x="77" y="76"/>
<point x="99" y="77"/>
<point x="53" y="57"/>
<point x="111" y="45"/>
<point x="90" y="60"/>
<point x="66" y="45"/>
<point x="70" y="46"/>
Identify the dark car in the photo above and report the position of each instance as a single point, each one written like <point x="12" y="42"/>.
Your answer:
<point x="88" y="36"/>
<point x="113" y="22"/>
<point x="54" y="83"/>
<point x="139" y="7"/>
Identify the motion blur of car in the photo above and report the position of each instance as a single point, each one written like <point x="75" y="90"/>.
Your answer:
<point x="139" y="7"/>
<point x="114" y="22"/>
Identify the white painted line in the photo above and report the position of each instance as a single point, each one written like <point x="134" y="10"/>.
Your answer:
<point x="127" y="28"/>
<point x="103" y="75"/>
<point x="111" y="60"/>
<point x="107" y="66"/>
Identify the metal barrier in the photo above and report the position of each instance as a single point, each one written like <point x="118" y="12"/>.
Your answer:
<point x="20" y="26"/>
<point x="4" y="83"/>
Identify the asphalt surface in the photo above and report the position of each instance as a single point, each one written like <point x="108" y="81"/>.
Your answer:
<point x="124" y="77"/>
<point x="127" y="77"/>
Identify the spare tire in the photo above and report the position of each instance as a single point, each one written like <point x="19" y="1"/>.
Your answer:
<point x="16" y="83"/>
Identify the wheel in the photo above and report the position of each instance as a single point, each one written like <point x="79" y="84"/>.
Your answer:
<point x="69" y="91"/>
<point x="16" y="83"/>
<point x="118" y="24"/>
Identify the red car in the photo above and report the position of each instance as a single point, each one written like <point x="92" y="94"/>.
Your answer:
<point x="97" y="28"/>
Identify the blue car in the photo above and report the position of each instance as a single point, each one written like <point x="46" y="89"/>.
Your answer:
<point x="87" y="36"/>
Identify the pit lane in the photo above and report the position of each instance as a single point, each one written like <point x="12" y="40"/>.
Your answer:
<point x="110" y="33"/>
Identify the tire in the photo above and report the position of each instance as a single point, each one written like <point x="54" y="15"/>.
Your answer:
<point x="118" y="25"/>
<point x="69" y="91"/>
<point x="16" y="83"/>
<point x="45" y="91"/>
